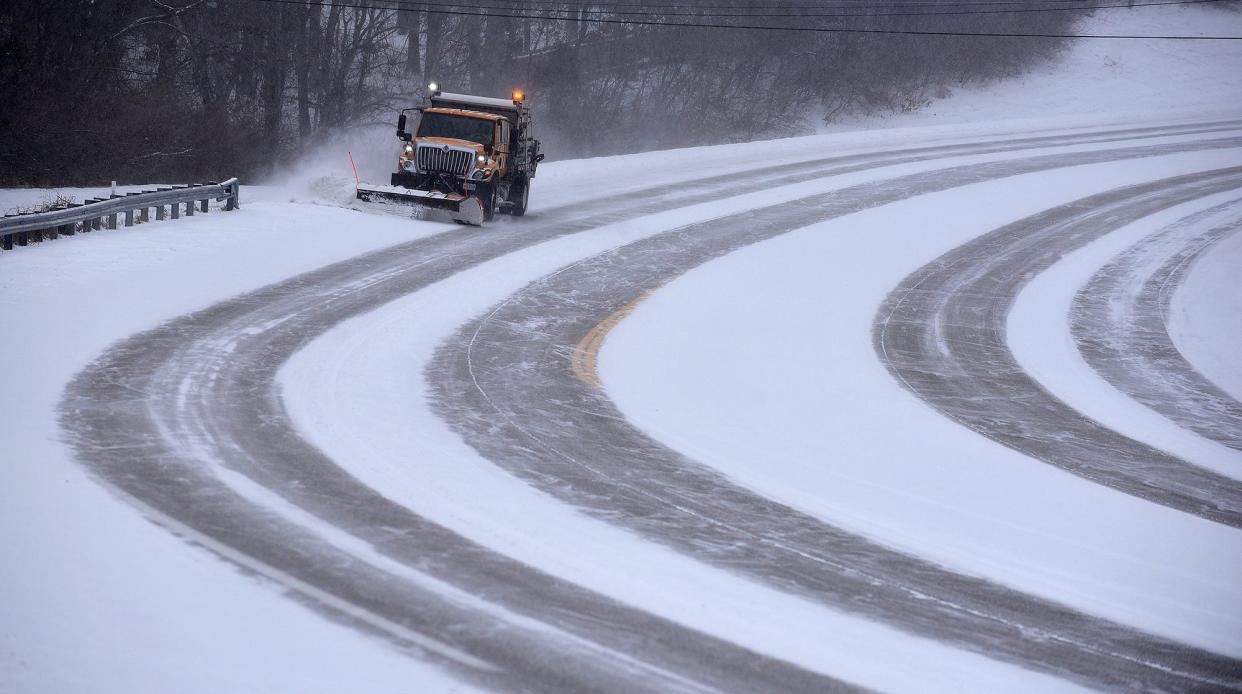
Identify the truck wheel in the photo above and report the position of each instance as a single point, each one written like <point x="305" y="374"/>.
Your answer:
<point x="519" y="195"/>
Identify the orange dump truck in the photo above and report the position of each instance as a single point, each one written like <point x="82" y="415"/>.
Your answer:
<point x="473" y="156"/>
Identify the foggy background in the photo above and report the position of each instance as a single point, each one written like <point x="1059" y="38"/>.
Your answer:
<point x="184" y="90"/>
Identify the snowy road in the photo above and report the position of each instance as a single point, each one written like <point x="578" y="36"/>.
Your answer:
<point x="514" y="384"/>
<point x="942" y="342"/>
<point x="193" y="423"/>
<point x="1124" y="334"/>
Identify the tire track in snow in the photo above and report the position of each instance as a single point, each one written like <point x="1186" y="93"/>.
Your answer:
<point x="942" y="334"/>
<point x="1119" y="321"/>
<point x="567" y="438"/>
<point x="158" y="411"/>
<point x="179" y="418"/>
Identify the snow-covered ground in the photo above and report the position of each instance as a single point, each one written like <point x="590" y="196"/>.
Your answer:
<point x="98" y="599"/>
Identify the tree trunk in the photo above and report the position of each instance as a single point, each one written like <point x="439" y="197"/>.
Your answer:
<point x="303" y="56"/>
<point x="276" y="67"/>
<point x="435" y="35"/>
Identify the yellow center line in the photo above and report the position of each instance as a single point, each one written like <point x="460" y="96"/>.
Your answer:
<point x="584" y="357"/>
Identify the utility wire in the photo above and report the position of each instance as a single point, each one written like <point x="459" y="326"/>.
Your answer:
<point x="775" y="4"/>
<point x="587" y="5"/>
<point x="756" y="27"/>
<point x="410" y="5"/>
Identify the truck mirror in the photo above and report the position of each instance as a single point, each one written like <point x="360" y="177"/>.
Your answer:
<point x="538" y="158"/>
<point x="401" y="126"/>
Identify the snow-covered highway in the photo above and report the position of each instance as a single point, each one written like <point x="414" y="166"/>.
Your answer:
<point x="671" y="438"/>
<point x="1125" y="334"/>
<point x="945" y="399"/>
<point x="941" y="341"/>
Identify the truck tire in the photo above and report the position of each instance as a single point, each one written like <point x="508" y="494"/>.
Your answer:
<point x="519" y="195"/>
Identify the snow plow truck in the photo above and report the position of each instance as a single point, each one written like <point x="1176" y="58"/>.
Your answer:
<point x="473" y="156"/>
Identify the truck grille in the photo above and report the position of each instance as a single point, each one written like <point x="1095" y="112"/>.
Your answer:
<point x="438" y="158"/>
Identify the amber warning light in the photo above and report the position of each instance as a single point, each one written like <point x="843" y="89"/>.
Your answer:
<point x="518" y="97"/>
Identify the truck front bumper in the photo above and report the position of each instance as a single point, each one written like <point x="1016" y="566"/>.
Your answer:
<point x="399" y="193"/>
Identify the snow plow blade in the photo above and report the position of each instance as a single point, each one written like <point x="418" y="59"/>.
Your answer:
<point x="463" y="208"/>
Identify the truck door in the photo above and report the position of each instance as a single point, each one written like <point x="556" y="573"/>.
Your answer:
<point x="504" y="148"/>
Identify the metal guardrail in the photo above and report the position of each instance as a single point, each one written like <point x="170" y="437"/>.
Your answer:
<point x="104" y="213"/>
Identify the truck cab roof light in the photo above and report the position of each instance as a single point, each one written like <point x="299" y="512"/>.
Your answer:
<point x="518" y="96"/>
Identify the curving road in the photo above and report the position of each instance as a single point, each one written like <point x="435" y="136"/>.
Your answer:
<point x="508" y="385"/>
<point x="939" y="342"/>
<point x="185" y="421"/>
<point x="1124" y="334"/>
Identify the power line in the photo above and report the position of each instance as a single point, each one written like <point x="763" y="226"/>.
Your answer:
<point x="775" y="4"/>
<point x="753" y="27"/>
<point x="803" y="15"/>
<point x="586" y="5"/>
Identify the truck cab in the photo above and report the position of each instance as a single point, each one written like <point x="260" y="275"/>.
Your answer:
<point x="486" y="134"/>
<point x="466" y="147"/>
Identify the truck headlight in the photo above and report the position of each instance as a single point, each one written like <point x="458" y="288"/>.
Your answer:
<point x="408" y="164"/>
<point x="480" y="174"/>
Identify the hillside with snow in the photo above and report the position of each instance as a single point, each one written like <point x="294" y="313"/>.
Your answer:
<point x="1111" y="81"/>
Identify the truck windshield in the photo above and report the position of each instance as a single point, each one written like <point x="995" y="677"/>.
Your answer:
<point x="458" y="128"/>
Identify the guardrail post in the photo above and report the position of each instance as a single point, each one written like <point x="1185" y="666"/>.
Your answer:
<point x="52" y="233"/>
<point x="159" y="213"/>
<point x="21" y="238"/>
<point x="6" y="243"/>
<point x="189" y="209"/>
<point x="232" y="199"/>
<point x="129" y="218"/>
<point x="95" y="223"/>
<point x="175" y="208"/>
<point x="112" y="221"/>
<point x="203" y="204"/>
<point x="144" y="215"/>
<point x="72" y="227"/>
